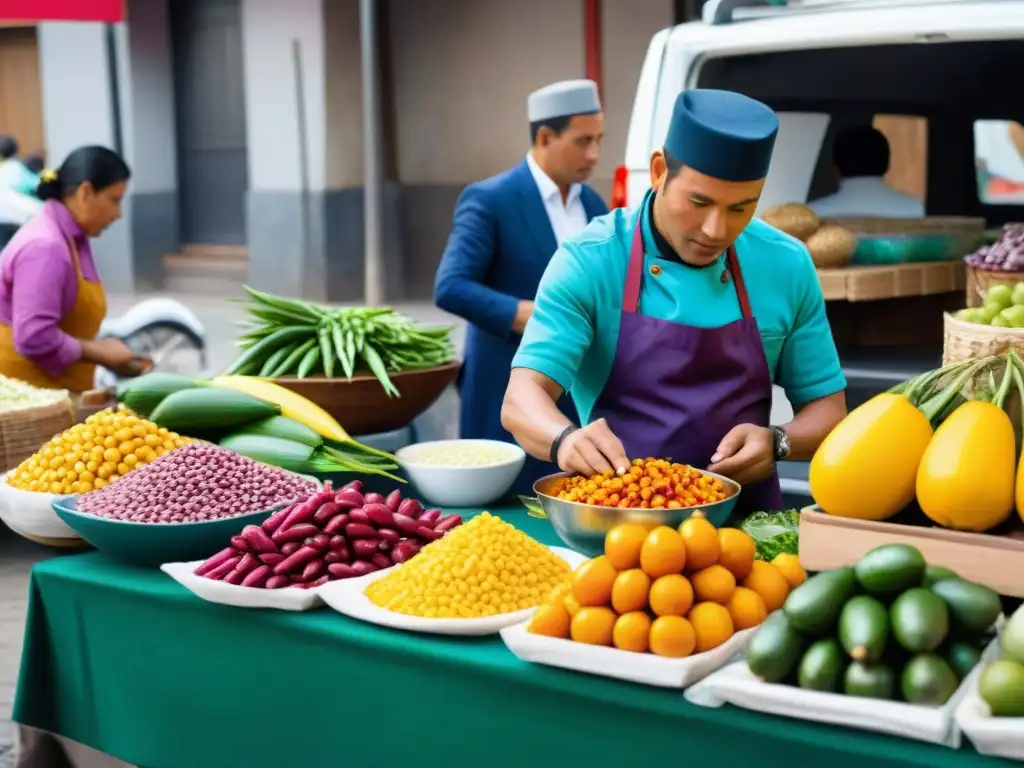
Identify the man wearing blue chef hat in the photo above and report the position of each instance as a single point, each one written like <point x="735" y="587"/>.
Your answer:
<point x="668" y="324"/>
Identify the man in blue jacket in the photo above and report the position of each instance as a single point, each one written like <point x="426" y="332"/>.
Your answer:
<point x="504" y="232"/>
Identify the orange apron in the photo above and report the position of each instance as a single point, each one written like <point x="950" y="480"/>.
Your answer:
<point x="82" y="322"/>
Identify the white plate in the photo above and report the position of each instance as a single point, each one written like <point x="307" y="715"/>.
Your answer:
<point x="287" y="599"/>
<point x="735" y="684"/>
<point x="347" y="597"/>
<point x="645" y="668"/>
<point x="996" y="736"/>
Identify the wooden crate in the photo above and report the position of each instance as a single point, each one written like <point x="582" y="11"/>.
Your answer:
<point x="892" y="281"/>
<point x="828" y="542"/>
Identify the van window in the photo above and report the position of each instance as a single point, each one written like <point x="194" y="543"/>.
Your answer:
<point x="999" y="159"/>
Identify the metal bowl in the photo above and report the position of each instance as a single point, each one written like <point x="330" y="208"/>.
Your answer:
<point x="583" y="526"/>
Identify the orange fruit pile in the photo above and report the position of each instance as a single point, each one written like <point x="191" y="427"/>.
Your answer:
<point x="671" y="592"/>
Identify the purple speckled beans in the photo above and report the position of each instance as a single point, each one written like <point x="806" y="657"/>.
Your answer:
<point x="192" y="484"/>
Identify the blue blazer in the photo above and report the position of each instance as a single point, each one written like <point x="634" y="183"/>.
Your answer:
<point x="501" y="242"/>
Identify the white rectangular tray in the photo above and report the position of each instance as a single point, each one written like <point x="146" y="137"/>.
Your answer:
<point x="287" y="599"/>
<point x="735" y="684"/>
<point x="644" y="668"/>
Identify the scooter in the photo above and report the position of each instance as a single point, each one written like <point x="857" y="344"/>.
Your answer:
<point x="160" y="330"/>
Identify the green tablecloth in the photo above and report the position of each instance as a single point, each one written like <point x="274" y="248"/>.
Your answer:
<point x="125" y="660"/>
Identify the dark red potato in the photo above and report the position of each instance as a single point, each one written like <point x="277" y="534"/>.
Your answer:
<point x="223" y="569"/>
<point x="336" y="523"/>
<point x="257" y="577"/>
<point x="325" y="513"/>
<point x="349" y="499"/>
<point x="360" y="531"/>
<point x="364" y="549"/>
<point x="359" y="516"/>
<point x="221" y="557"/>
<point x="295" y="533"/>
<point x="278" y="582"/>
<point x="290" y="548"/>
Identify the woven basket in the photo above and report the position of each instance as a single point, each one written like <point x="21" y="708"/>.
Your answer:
<point x="23" y="432"/>
<point x="980" y="280"/>
<point x="969" y="341"/>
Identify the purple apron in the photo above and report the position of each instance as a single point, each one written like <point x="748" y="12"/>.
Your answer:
<point x="675" y="390"/>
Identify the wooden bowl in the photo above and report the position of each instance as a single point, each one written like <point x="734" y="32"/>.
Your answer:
<point x="361" y="405"/>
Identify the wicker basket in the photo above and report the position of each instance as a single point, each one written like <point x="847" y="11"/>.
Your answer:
<point x="23" y="432"/>
<point x="969" y="341"/>
<point x="980" y="280"/>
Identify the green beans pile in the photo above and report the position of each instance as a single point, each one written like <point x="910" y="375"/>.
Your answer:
<point x="289" y="337"/>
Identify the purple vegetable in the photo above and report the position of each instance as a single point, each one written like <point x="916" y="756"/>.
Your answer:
<point x="364" y="549"/>
<point x="363" y="567"/>
<point x="360" y="531"/>
<point x="359" y="516"/>
<point x="429" y="533"/>
<point x="277" y="582"/>
<point x="290" y="548"/>
<point x="447" y="523"/>
<point x="273" y="522"/>
<point x="374" y="498"/>
<point x="406" y="525"/>
<point x="381" y="560"/>
<point x="221" y="557"/>
<point x="295" y="533"/>
<point x="326" y="512"/>
<point x="313" y="569"/>
<point x="430" y="517"/>
<point x="349" y="499"/>
<point x="257" y="577"/>
<point x="258" y="540"/>
<point x="239" y="543"/>
<point x="272" y="558"/>
<point x="335" y="556"/>
<point x="410" y="508"/>
<point x="224" y="568"/>
<point x="403" y="551"/>
<point x="341" y="570"/>
<point x="318" y="583"/>
<point x="355" y="485"/>
<point x="389" y="535"/>
<point x="337" y="523"/>
<point x="248" y="562"/>
<point x="384" y="546"/>
<point x="393" y="500"/>
<point x="235" y="577"/>
<point x="320" y="542"/>
<point x="380" y="514"/>
<point x="337" y="541"/>
<point x="296" y="560"/>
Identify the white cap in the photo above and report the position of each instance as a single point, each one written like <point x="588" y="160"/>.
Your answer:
<point x="569" y="97"/>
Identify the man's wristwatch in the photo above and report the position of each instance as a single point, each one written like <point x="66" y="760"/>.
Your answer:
<point x="782" y="446"/>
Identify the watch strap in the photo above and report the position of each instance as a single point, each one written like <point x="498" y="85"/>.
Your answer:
<point x="557" y="442"/>
<point x="781" y="447"/>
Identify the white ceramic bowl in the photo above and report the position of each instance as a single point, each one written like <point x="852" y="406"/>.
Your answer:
<point x="447" y="485"/>
<point x="30" y="515"/>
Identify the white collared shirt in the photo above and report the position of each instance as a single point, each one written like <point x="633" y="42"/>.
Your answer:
<point x="868" y="196"/>
<point x="567" y="219"/>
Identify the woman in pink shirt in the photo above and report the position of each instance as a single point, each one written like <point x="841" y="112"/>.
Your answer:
<point x="51" y="298"/>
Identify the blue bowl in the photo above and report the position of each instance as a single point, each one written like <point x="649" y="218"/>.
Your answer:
<point x="154" y="543"/>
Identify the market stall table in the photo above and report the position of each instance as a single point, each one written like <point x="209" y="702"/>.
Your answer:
<point x="127" y="661"/>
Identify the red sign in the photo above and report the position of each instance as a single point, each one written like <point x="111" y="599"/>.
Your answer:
<point x="62" y="10"/>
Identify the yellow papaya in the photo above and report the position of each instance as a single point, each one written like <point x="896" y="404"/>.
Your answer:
<point x="867" y="466"/>
<point x="966" y="477"/>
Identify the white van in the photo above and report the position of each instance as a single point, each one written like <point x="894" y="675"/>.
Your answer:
<point x="948" y="69"/>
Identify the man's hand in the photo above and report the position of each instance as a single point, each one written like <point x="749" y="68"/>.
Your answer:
<point x="524" y="310"/>
<point x="746" y="454"/>
<point x="591" y="450"/>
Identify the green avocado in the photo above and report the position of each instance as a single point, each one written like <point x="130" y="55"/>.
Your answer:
<point x="887" y="570"/>
<point x="973" y="607"/>
<point x="1002" y="688"/>
<point x="775" y="649"/>
<point x="919" y="620"/>
<point x="962" y="657"/>
<point x="864" y="628"/>
<point x="934" y="573"/>
<point x="814" y="606"/>
<point x="928" y="680"/>
<point x="870" y="681"/>
<point x="822" y="667"/>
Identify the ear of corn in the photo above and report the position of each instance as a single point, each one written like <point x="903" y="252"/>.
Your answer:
<point x="292" y="405"/>
<point x="198" y="411"/>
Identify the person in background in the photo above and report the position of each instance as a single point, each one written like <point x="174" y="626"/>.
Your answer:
<point x="51" y="298"/>
<point x="35" y="162"/>
<point x="504" y="233"/>
<point x="14" y="174"/>
<point x="861" y="157"/>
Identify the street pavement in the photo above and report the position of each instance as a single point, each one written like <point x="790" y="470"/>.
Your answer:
<point x="220" y="318"/>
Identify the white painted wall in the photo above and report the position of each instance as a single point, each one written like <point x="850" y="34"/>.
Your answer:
<point x="269" y="28"/>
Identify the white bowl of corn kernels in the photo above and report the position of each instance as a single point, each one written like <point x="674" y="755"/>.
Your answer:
<point x="462" y="473"/>
<point x="30" y="515"/>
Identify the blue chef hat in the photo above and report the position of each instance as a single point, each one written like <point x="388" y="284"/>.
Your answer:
<point x="722" y="134"/>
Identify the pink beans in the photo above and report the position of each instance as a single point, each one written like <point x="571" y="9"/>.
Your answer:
<point x="328" y="535"/>
<point x="195" y="483"/>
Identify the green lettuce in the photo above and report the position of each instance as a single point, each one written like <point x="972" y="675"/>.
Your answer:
<point x="774" y="533"/>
